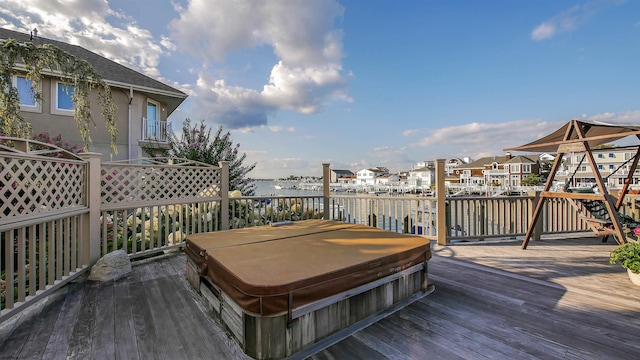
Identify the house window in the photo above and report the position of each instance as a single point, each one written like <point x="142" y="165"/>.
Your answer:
<point x="600" y="156"/>
<point x="62" y="98"/>
<point x="27" y="100"/>
<point x="515" y="168"/>
<point x="611" y="167"/>
<point x="526" y="168"/>
<point x="612" y="155"/>
<point x="600" y="167"/>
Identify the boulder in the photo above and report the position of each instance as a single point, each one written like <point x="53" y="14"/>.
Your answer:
<point x="112" y="266"/>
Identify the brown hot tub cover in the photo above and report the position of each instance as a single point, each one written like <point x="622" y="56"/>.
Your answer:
<point x="269" y="270"/>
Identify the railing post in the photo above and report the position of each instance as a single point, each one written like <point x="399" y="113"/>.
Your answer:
<point x="537" y="230"/>
<point x="91" y="222"/>
<point x="441" y="198"/>
<point x="326" y="179"/>
<point x="224" y="194"/>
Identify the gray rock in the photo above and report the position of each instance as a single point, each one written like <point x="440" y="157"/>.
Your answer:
<point x="112" y="266"/>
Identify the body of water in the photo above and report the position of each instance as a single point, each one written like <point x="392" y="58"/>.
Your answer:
<point x="268" y="188"/>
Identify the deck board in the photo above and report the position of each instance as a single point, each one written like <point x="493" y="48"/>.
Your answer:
<point x="557" y="299"/>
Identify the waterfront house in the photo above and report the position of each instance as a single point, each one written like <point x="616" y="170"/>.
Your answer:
<point x="143" y="103"/>
<point x="498" y="170"/>
<point x="520" y="167"/>
<point x="340" y="174"/>
<point x="422" y="177"/>
<point x="387" y="179"/>
<point x="451" y="165"/>
<point x="613" y="165"/>
<point x="368" y="176"/>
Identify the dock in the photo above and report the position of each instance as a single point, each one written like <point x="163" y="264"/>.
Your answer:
<point x="560" y="298"/>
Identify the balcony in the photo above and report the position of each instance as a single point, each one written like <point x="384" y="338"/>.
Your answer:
<point x="154" y="130"/>
<point x="502" y="172"/>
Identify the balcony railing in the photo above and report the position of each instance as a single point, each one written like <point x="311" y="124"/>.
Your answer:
<point x="154" y="130"/>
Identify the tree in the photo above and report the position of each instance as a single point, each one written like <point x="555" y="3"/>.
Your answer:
<point x="196" y="143"/>
<point x="532" y="180"/>
<point x="31" y="60"/>
<point x="545" y="168"/>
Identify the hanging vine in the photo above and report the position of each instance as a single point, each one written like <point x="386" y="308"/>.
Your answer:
<point x="31" y="61"/>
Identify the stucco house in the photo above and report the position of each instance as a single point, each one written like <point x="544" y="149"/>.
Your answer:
<point x="143" y="103"/>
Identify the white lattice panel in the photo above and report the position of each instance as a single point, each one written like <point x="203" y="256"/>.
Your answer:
<point x="32" y="185"/>
<point x="155" y="183"/>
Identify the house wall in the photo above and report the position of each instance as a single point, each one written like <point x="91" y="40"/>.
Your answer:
<point x="55" y="124"/>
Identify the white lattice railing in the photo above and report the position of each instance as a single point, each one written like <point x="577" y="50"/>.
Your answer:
<point x="43" y="218"/>
<point x="152" y="205"/>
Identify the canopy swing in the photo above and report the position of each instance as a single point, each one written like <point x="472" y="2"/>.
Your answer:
<point x="601" y="208"/>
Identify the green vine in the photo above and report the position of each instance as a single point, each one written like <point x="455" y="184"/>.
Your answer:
<point x="31" y="61"/>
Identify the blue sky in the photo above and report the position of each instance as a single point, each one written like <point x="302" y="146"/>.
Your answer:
<point x="367" y="83"/>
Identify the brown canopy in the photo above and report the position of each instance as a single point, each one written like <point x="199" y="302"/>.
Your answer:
<point x="596" y="133"/>
<point x="581" y="136"/>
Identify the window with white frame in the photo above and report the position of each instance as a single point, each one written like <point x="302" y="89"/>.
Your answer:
<point x="526" y="168"/>
<point x="27" y="99"/>
<point x="62" y="98"/>
<point x="514" y="168"/>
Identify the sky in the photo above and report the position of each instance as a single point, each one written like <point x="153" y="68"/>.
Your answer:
<point x="359" y="84"/>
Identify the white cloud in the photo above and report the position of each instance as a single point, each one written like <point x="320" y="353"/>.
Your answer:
<point x="380" y="148"/>
<point x="410" y="132"/>
<point x="274" y="128"/>
<point x="167" y="43"/>
<point x="86" y="23"/>
<point x="623" y="118"/>
<point x="543" y="31"/>
<point x="483" y="139"/>
<point x="307" y="74"/>
<point x="570" y="19"/>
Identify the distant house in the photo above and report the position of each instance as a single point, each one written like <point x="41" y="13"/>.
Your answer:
<point x="339" y="174"/>
<point x="387" y="179"/>
<point x="143" y="104"/>
<point x="498" y="170"/>
<point x="368" y="176"/>
<point x="451" y="164"/>
<point x="613" y="165"/>
<point x="422" y="177"/>
<point x="546" y="157"/>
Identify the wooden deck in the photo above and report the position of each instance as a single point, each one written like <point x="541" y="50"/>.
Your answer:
<point x="557" y="299"/>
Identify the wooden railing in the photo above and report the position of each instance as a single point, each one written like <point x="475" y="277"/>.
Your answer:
<point x="59" y="213"/>
<point x="150" y="206"/>
<point x="44" y="217"/>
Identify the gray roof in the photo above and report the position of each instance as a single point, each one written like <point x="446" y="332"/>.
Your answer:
<point x="480" y="163"/>
<point x="111" y="71"/>
<point x="343" y="172"/>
